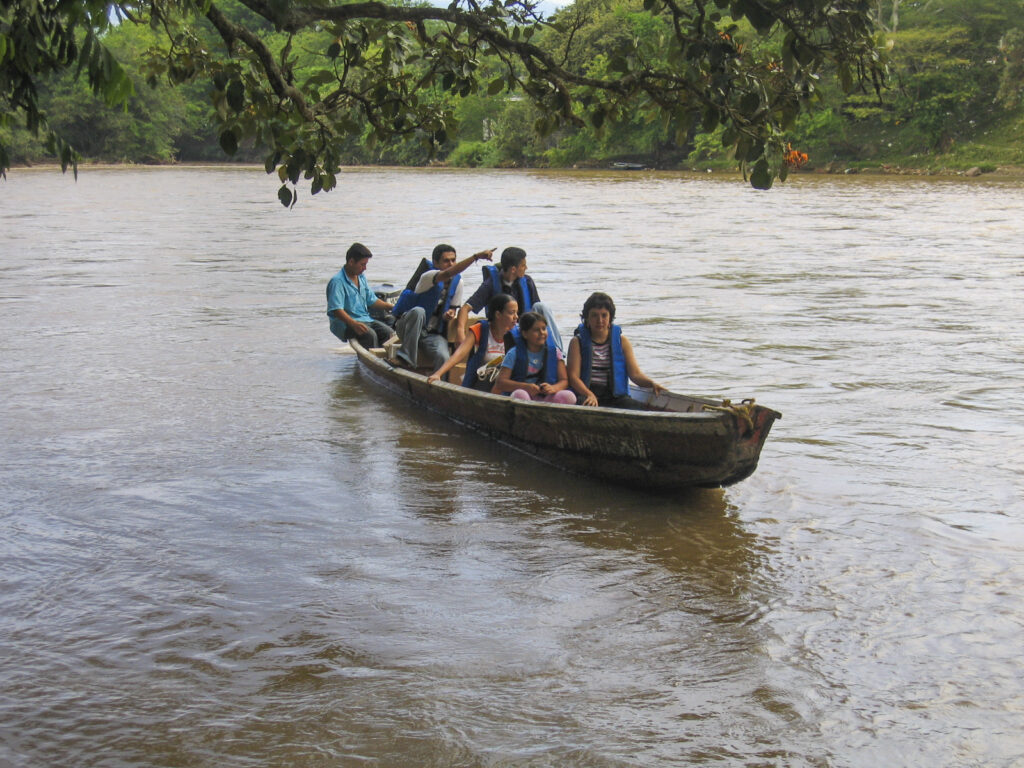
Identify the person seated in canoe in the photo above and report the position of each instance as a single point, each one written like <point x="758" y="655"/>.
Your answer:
<point x="601" y="362"/>
<point x="485" y="345"/>
<point x="510" y="278"/>
<point x="429" y="302"/>
<point x="349" y="301"/>
<point x="534" y="368"/>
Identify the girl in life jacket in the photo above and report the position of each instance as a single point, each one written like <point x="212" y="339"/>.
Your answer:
<point x="601" y="362"/>
<point x="533" y="369"/>
<point x="485" y="342"/>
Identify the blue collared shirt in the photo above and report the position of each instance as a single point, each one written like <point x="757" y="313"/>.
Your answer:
<point x="356" y="301"/>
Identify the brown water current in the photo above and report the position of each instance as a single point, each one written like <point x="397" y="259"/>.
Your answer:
<point x="221" y="547"/>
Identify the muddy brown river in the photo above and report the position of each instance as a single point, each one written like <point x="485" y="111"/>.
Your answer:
<point x="221" y="547"/>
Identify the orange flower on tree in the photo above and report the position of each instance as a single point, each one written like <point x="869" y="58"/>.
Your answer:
<point x="794" y="158"/>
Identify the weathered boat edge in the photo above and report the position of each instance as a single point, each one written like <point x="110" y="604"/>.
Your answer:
<point x="649" y="450"/>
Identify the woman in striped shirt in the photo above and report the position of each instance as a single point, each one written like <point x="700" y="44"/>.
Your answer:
<point x="601" y="362"/>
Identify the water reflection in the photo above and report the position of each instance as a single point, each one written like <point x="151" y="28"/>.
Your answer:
<point x="689" y="553"/>
<point x="455" y="474"/>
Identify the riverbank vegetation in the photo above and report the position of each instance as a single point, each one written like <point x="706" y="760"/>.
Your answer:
<point x="952" y="98"/>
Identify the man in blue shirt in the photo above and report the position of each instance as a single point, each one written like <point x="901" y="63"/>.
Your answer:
<point x="349" y="301"/>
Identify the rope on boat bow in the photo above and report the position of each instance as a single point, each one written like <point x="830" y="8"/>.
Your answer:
<point x="744" y="411"/>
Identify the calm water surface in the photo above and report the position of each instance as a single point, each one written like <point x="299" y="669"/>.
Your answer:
<point x="221" y="547"/>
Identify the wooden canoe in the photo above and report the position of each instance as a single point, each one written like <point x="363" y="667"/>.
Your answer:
<point x="681" y="442"/>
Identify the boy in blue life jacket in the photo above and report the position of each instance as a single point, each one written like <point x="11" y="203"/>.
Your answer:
<point x="428" y="303"/>
<point x="510" y="278"/>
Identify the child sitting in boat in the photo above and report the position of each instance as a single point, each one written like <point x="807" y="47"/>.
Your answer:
<point x="485" y="343"/>
<point x="601" y="362"/>
<point x="533" y="369"/>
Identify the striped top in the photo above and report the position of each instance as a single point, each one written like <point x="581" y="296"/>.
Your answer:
<point x="600" y="368"/>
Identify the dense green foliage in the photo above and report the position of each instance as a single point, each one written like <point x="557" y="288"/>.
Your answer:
<point x="956" y="74"/>
<point x="40" y="40"/>
<point x="306" y="89"/>
<point x="306" y="85"/>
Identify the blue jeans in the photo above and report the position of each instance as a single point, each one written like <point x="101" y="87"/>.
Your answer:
<point x="416" y="342"/>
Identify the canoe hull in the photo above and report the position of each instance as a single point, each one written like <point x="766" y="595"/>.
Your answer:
<point x="655" y="450"/>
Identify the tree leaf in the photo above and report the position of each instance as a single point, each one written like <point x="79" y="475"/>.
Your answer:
<point x="236" y="96"/>
<point x="229" y="142"/>
<point x="761" y="178"/>
<point x="758" y="16"/>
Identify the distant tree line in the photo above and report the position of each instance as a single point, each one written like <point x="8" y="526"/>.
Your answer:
<point x="956" y="79"/>
<point x="955" y="75"/>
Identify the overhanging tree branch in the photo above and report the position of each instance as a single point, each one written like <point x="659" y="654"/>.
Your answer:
<point x="232" y="33"/>
<point x="377" y="70"/>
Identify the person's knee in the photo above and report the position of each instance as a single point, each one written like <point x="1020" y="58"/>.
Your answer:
<point x="380" y="333"/>
<point x="414" y="318"/>
<point x="565" y="397"/>
<point x="520" y="394"/>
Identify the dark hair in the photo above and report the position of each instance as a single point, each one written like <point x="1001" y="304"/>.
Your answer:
<point x="529" y="319"/>
<point x="497" y="304"/>
<point x="439" y="250"/>
<point x="357" y="251"/>
<point x="598" y="300"/>
<point x="512" y="257"/>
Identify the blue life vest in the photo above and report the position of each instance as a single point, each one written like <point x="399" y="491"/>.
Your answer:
<point x="477" y="358"/>
<point x="620" y="379"/>
<point x="521" y="286"/>
<point x="428" y="300"/>
<point x="548" y="372"/>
